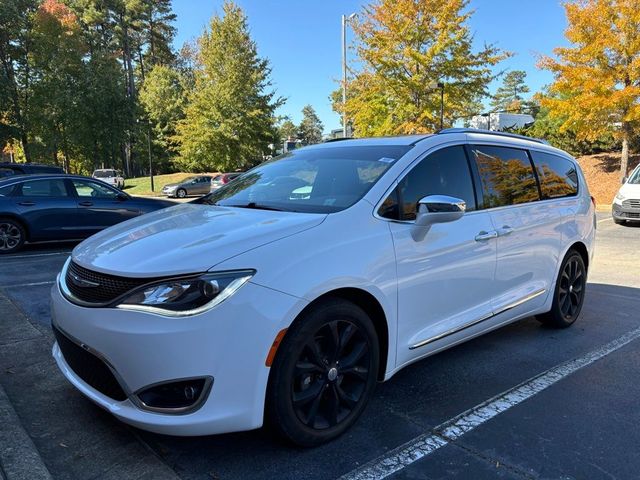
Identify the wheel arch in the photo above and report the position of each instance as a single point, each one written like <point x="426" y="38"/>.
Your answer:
<point x="581" y="248"/>
<point x="371" y="306"/>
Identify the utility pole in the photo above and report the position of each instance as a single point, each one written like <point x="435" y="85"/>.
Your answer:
<point x="345" y="20"/>
<point x="150" y="162"/>
<point x="441" y="87"/>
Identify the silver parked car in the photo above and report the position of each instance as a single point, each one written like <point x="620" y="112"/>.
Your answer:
<point x="198" y="185"/>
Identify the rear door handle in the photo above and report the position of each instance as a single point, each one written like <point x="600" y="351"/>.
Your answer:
<point x="484" y="235"/>
<point x="86" y="204"/>
<point x="505" y="230"/>
<point x="27" y="204"/>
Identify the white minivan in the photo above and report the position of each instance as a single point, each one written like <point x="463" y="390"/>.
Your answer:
<point x="286" y="295"/>
<point x="626" y="204"/>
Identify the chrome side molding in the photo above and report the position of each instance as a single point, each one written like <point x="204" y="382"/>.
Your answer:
<point x="510" y="306"/>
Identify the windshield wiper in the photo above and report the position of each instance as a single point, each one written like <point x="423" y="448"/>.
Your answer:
<point x="255" y="206"/>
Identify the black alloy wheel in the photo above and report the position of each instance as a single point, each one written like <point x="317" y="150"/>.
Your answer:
<point x="12" y="235"/>
<point x="330" y="375"/>
<point x="569" y="294"/>
<point x="324" y="374"/>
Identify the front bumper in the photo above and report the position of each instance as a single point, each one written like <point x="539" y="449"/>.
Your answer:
<point x="620" y="212"/>
<point x="228" y="343"/>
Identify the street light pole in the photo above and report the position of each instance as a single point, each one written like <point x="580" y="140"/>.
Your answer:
<point x="345" y="20"/>
<point x="150" y="162"/>
<point x="441" y="87"/>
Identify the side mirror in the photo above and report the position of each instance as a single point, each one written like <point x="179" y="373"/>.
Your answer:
<point x="624" y="180"/>
<point x="437" y="209"/>
<point x="122" y="196"/>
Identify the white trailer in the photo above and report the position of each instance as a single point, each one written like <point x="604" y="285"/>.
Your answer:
<point x="501" y="121"/>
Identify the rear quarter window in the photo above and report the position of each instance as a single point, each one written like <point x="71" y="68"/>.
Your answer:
<point x="558" y="176"/>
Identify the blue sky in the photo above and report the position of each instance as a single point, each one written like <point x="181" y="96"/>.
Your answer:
<point x="301" y="39"/>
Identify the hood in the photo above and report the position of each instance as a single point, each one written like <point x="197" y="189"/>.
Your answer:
<point x="630" y="190"/>
<point x="187" y="238"/>
<point x="171" y="185"/>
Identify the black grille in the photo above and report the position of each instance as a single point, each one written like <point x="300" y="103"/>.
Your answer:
<point x="89" y="368"/>
<point x="109" y="287"/>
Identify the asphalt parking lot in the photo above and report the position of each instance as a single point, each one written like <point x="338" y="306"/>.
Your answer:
<point x="576" y="420"/>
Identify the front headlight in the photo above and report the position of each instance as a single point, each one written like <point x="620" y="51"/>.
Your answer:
<point x="182" y="297"/>
<point x="620" y="197"/>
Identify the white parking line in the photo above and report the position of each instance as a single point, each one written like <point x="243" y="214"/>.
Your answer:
<point x="456" y="427"/>
<point x="604" y="219"/>
<point x="9" y="257"/>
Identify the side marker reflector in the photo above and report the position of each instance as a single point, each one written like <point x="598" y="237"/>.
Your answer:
<point x="274" y="347"/>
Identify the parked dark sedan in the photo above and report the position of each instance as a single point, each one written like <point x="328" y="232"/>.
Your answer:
<point x="36" y="208"/>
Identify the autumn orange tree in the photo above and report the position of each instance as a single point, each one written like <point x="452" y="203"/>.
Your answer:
<point x="404" y="48"/>
<point x="596" y="90"/>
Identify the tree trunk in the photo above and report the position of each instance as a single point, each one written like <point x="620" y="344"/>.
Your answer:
<point x="624" y="161"/>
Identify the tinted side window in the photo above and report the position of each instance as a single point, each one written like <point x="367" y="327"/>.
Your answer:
<point x="506" y="175"/>
<point x="43" y="188"/>
<point x="558" y="176"/>
<point x="92" y="189"/>
<point x="5" y="172"/>
<point x="444" y="172"/>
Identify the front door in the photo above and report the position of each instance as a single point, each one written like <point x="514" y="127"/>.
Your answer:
<point x="445" y="280"/>
<point x="100" y="206"/>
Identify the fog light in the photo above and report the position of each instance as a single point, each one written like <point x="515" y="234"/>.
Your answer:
<point x="176" y="396"/>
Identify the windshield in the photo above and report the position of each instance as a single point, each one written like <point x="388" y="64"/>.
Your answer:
<point x="104" y="173"/>
<point x="634" y="179"/>
<point x="311" y="180"/>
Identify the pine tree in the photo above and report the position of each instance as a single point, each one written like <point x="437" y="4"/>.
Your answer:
<point x="229" y="121"/>
<point x="310" y="128"/>
<point x="509" y="96"/>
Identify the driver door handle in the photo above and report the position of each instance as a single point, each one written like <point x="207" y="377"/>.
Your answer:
<point x="27" y="204"/>
<point x="484" y="235"/>
<point x="86" y="204"/>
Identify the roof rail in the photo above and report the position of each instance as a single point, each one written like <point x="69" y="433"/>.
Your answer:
<point x="492" y="132"/>
<point x="338" y="139"/>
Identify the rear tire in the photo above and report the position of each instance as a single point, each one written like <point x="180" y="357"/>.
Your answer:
<point x="568" y="297"/>
<point x="323" y="375"/>
<point x="12" y="235"/>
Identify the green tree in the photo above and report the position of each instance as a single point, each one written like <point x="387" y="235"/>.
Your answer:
<point x="405" y="47"/>
<point x="15" y="75"/>
<point x="229" y="121"/>
<point x="287" y="130"/>
<point x="509" y="96"/>
<point x="163" y="99"/>
<point x="310" y="128"/>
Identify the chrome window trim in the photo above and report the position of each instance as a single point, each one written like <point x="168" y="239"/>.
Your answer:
<point x="504" y="309"/>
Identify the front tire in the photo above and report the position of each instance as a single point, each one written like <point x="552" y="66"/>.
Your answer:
<point x="568" y="297"/>
<point x="12" y="235"/>
<point x="324" y="373"/>
<point x="618" y="221"/>
<point x="181" y="193"/>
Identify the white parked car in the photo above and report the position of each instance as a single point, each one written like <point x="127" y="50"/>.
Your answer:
<point x="626" y="204"/>
<point x="110" y="176"/>
<point x="287" y="294"/>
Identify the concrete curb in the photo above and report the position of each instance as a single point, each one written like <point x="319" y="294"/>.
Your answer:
<point x="19" y="459"/>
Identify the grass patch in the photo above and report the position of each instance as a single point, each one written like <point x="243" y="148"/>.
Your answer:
<point x="142" y="185"/>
